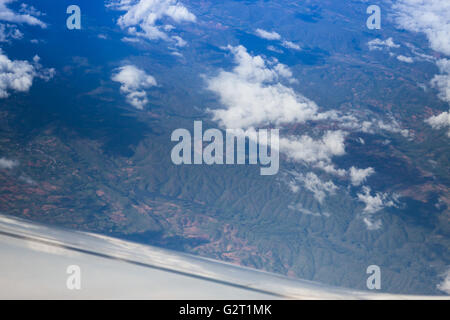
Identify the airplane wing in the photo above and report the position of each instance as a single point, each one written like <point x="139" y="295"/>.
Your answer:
<point x="38" y="261"/>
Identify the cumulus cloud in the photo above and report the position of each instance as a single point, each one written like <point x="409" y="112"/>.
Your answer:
<point x="330" y="167"/>
<point x="18" y="75"/>
<point x="314" y="151"/>
<point x="393" y="127"/>
<point x="133" y="82"/>
<point x="418" y="53"/>
<point x="274" y="49"/>
<point x="444" y="286"/>
<point x="440" y="121"/>
<point x="373" y="126"/>
<point x="314" y="184"/>
<point x="372" y="224"/>
<point x="27" y="16"/>
<point x="374" y="204"/>
<point x="8" y="32"/>
<point x="30" y="10"/>
<point x="272" y="35"/>
<point x="378" y="44"/>
<point x="291" y="45"/>
<point x="358" y="176"/>
<point x="426" y="16"/>
<point x="405" y="59"/>
<point x="269" y="35"/>
<point x="144" y="18"/>
<point x="7" y="163"/>
<point x="319" y="187"/>
<point x="253" y="95"/>
<point x="293" y="186"/>
<point x="179" y="42"/>
<point x="442" y="81"/>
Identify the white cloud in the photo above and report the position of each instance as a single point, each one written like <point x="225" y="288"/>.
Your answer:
<point x="133" y="82"/>
<point x="28" y="16"/>
<point x="7" y="163"/>
<point x="393" y="127"/>
<point x="130" y="39"/>
<point x="291" y="45"/>
<point x="330" y="167"/>
<point x="442" y="81"/>
<point x="374" y="204"/>
<point x="18" y="75"/>
<point x="293" y="186"/>
<point x="298" y="207"/>
<point x="314" y="151"/>
<point x="30" y="10"/>
<point x="179" y="42"/>
<point x="274" y="49"/>
<point x="440" y="121"/>
<point x="42" y="73"/>
<point x="430" y="17"/>
<point x="143" y="17"/>
<point x="378" y="44"/>
<point x="405" y="59"/>
<point x="269" y="35"/>
<point x="253" y="95"/>
<point x="444" y="286"/>
<point x="372" y="224"/>
<point x="9" y="31"/>
<point x="272" y="35"/>
<point x="373" y="126"/>
<point x="319" y="187"/>
<point x="419" y="54"/>
<point x="358" y="176"/>
<point x="27" y="180"/>
<point x="177" y="54"/>
<point x="314" y="184"/>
